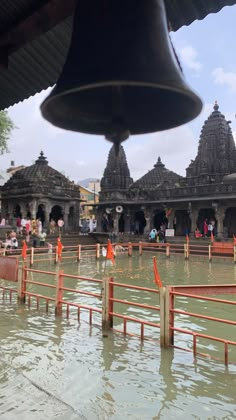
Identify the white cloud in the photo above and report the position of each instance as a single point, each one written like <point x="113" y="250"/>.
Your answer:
<point x="188" y="57"/>
<point x="221" y="77"/>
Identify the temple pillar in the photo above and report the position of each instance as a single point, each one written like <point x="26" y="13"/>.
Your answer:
<point x="193" y="216"/>
<point x="99" y="216"/>
<point x="127" y="220"/>
<point x="220" y="214"/>
<point x="33" y="208"/>
<point x="149" y="220"/>
<point x="116" y="222"/>
<point x="171" y="219"/>
<point x="46" y="217"/>
<point x="66" y="220"/>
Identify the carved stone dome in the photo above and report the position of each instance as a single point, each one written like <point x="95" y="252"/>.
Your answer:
<point x="157" y="177"/>
<point x="40" y="178"/>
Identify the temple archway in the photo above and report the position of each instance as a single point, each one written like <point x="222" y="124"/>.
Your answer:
<point x="183" y="222"/>
<point x="41" y="213"/>
<point x="159" y="218"/>
<point x="230" y="222"/>
<point x="56" y="213"/>
<point x="140" y="222"/>
<point x="121" y="223"/>
<point x="206" y="214"/>
<point x="17" y="211"/>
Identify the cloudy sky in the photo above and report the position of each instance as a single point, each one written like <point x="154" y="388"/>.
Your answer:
<point x="207" y="53"/>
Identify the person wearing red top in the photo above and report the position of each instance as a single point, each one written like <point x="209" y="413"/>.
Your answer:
<point x="205" y="228"/>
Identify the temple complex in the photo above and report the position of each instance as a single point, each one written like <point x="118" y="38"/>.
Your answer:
<point x="39" y="191"/>
<point x="207" y="192"/>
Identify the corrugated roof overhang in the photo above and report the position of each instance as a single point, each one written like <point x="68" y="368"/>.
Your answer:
<point x="35" y="65"/>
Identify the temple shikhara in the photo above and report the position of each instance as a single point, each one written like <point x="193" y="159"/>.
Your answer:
<point x="208" y="191"/>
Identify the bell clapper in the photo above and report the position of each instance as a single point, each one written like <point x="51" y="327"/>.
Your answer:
<point x="119" y="132"/>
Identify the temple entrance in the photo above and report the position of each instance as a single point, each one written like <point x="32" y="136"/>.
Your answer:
<point x="17" y="212"/>
<point x="41" y="213"/>
<point x="206" y="214"/>
<point x="28" y="212"/>
<point x="56" y="213"/>
<point x="159" y="218"/>
<point x="183" y="222"/>
<point x="121" y="223"/>
<point x="229" y="223"/>
<point x="139" y="222"/>
<point x="71" y="218"/>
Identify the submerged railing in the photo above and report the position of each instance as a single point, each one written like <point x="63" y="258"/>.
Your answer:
<point x="80" y="252"/>
<point x="107" y="304"/>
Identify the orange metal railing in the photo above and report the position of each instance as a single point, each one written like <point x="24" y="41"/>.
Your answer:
<point x="200" y="293"/>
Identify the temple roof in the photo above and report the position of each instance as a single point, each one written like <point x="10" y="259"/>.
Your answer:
<point x="216" y="151"/>
<point x="40" y="178"/>
<point x="35" y="36"/>
<point x="159" y="177"/>
<point x="116" y="174"/>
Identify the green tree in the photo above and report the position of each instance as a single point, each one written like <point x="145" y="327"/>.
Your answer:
<point x="6" y="126"/>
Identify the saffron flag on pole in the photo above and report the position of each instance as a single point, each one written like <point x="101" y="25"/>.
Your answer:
<point x="59" y="248"/>
<point x="157" y="278"/>
<point x="110" y="252"/>
<point x="24" y="250"/>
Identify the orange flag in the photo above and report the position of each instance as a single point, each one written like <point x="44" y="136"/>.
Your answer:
<point x="59" y="248"/>
<point x="24" y="250"/>
<point x="187" y="238"/>
<point x="157" y="278"/>
<point x="110" y="252"/>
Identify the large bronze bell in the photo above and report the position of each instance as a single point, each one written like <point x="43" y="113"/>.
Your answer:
<point x="121" y="75"/>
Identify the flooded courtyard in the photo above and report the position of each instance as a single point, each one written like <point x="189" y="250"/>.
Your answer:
<point x="57" y="368"/>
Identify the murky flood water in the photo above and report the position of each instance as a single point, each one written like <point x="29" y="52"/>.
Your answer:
<point x="54" y="368"/>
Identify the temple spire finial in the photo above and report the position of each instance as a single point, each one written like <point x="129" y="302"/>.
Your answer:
<point x="216" y="106"/>
<point x="159" y="163"/>
<point x="41" y="158"/>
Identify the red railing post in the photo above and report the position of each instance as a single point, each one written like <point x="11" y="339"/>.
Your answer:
<point x="79" y="253"/>
<point x="110" y="302"/>
<point x="140" y="247"/>
<point x="97" y="251"/>
<point x="22" y="284"/>
<point x="210" y="253"/>
<point x="56" y="255"/>
<point x="168" y="250"/>
<point x="31" y="256"/>
<point x="170" y="321"/>
<point x="59" y="293"/>
<point x="107" y="305"/>
<point x="130" y="249"/>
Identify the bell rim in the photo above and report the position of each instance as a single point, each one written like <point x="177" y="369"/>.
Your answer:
<point x="54" y="94"/>
<point x="122" y="83"/>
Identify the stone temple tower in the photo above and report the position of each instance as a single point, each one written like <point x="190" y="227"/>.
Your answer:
<point x="216" y="155"/>
<point x="116" y="179"/>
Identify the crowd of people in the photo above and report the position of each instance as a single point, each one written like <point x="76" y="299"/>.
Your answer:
<point x="158" y="235"/>
<point x="208" y="229"/>
<point x="31" y="230"/>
